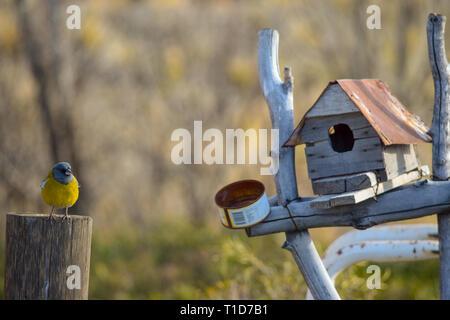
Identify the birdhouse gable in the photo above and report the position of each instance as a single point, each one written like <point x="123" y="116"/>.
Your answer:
<point x="340" y="126"/>
<point x="332" y="101"/>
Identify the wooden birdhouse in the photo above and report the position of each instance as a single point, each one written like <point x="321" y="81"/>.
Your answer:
<point x="359" y="136"/>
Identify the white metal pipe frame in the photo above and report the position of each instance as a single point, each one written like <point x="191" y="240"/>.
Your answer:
<point x="381" y="244"/>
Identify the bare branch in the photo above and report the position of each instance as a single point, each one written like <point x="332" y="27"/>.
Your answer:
<point x="440" y="133"/>
<point x="439" y="67"/>
<point x="280" y="100"/>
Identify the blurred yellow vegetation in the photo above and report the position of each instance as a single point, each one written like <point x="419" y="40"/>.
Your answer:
<point x="242" y="71"/>
<point x="168" y="4"/>
<point x="305" y="34"/>
<point x="174" y="61"/>
<point x="9" y="37"/>
<point x="91" y="32"/>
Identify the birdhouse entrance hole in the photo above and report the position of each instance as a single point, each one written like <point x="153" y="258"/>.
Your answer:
<point x="341" y="137"/>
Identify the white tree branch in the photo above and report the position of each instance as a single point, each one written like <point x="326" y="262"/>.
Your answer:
<point x="279" y="98"/>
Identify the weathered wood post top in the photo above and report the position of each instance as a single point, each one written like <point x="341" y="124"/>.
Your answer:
<point x="47" y="259"/>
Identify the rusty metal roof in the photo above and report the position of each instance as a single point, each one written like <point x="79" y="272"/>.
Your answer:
<point x="389" y="117"/>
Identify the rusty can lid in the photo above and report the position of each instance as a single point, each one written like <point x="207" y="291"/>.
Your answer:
<point x="239" y="194"/>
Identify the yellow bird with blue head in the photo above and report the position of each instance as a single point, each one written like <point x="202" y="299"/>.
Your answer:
<point x="60" y="188"/>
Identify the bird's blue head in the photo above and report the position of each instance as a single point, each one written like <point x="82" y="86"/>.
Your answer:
<point x="62" y="172"/>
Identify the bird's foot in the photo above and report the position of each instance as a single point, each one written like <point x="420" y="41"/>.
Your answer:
<point x="51" y="218"/>
<point x="66" y="217"/>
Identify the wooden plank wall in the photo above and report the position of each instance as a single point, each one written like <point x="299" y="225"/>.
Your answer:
<point x="323" y="161"/>
<point x="316" y="129"/>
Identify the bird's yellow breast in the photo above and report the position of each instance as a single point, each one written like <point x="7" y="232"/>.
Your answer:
<point x="58" y="194"/>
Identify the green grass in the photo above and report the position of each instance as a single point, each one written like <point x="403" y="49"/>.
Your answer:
<point x="175" y="260"/>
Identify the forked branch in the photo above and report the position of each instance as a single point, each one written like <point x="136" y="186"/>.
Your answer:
<point x="279" y="97"/>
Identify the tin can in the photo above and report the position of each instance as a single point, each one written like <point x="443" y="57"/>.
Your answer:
<point x="242" y="204"/>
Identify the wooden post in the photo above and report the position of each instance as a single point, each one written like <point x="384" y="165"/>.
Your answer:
<point x="440" y="132"/>
<point x="47" y="259"/>
<point x="279" y="97"/>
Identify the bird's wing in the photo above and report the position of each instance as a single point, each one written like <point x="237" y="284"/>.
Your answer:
<point x="43" y="183"/>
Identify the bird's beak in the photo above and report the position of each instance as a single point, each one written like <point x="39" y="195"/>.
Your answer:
<point x="68" y="172"/>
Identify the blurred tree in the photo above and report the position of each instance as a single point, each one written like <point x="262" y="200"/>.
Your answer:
<point x="51" y="62"/>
